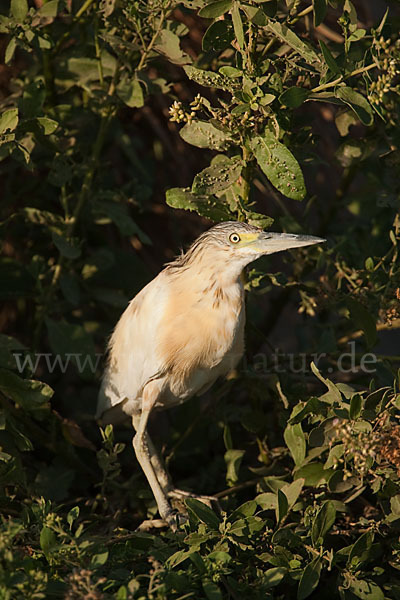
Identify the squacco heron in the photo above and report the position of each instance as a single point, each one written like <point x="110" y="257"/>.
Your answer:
<point x="179" y="334"/>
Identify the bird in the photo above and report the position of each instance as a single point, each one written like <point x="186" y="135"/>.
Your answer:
<point x="179" y="334"/>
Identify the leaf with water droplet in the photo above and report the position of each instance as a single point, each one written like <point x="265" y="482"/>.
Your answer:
<point x="203" y="134"/>
<point x="205" y="206"/>
<point x="217" y="177"/>
<point x="271" y="155"/>
<point x="288" y="36"/>
<point x="210" y="79"/>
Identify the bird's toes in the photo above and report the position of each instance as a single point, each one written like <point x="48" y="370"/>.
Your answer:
<point x="149" y="524"/>
<point x="182" y="494"/>
<point x="174" y="519"/>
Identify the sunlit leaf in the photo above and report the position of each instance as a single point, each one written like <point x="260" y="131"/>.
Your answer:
<point x="357" y="102"/>
<point x="203" y="134"/>
<point x="279" y="165"/>
<point x="215" y="9"/>
<point x="323" y="522"/>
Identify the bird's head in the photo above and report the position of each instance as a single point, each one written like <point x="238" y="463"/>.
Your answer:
<point x="231" y="245"/>
<point x="247" y="243"/>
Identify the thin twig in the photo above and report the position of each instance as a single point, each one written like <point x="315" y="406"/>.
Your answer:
<point x="326" y="86"/>
<point x="153" y="40"/>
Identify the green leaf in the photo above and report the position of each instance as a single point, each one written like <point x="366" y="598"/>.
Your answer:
<point x="359" y="552"/>
<point x="383" y="21"/>
<point x="323" y="522"/>
<point x="130" y="92"/>
<point x="267" y="501"/>
<point x="357" y="102"/>
<point x="255" y="15"/>
<point x="119" y="215"/>
<point x="49" y="9"/>
<point x="309" y="579"/>
<point x="267" y="99"/>
<point x="10" y="50"/>
<point x="294" y="96"/>
<point x="279" y="165"/>
<point x="330" y="61"/>
<point x="369" y="263"/>
<point x="237" y="25"/>
<point x="203" y="513"/>
<point x="314" y="474"/>
<point x="362" y="319"/>
<point x="48" y="541"/>
<point x="217" y="177"/>
<point x="215" y="9"/>
<point x="212" y="590"/>
<point x="19" y="9"/>
<point x="295" y="441"/>
<point x="46" y="126"/>
<point x="9" y="120"/>
<point x="178" y="557"/>
<point x="218" y="37"/>
<point x="98" y="560"/>
<point x="273" y="577"/>
<point x="344" y="119"/>
<point x="205" y="206"/>
<point x="356" y="404"/>
<point x="395" y="504"/>
<point x="32" y="395"/>
<point x="258" y="220"/>
<point x="230" y="71"/>
<point x="335" y="453"/>
<point x="209" y="78"/>
<point x="204" y="135"/>
<point x="33" y="98"/>
<point x="233" y="459"/>
<point x="67" y="248"/>
<point x="244" y="510"/>
<point x="313" y="405"/>
<point x="291" y="39"/>
<point x="72" y="516"/>
<point x="366" y="590"/>
<point x="335" y="392"/>
<point x="168" y="44"/>
<point x="357" y="35"/>
<point x="84" y="69"/>
<point x="292" y="491"/>
<point x="320" y="7"/>
<point x="282" y="506"/>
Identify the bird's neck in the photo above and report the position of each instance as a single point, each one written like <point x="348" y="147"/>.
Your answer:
<point x="226" y="278"/>
<point x="223" y="268"/>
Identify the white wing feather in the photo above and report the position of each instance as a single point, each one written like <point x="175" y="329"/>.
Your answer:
<point x="133" y="359"/>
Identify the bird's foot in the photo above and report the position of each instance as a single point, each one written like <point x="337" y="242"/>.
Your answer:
<point x="173" y="519"/>
<point x="149" y="524"/>
<point x="182" y="494"/>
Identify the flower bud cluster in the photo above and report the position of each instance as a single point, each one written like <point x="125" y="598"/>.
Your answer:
<point x="359" y="449"/>
<point x="388" y="54"/>
<point x="180" y="115"/>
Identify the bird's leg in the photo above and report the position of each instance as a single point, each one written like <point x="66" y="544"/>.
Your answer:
<point x="182" y="494"/>
<point x="140" y="445"/>
<point x="164" y="479"/>
<point x="157" y="463"/>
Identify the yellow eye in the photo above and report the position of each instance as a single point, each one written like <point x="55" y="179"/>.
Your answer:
<point x="234" y="238"/>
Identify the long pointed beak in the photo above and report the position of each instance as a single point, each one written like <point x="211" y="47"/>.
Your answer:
<point x="275" y="242"/>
